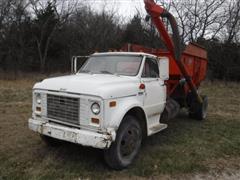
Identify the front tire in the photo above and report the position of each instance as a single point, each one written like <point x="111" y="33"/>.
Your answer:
<point x="123" y="151"/>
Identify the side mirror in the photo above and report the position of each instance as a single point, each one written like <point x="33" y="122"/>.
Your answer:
<point x="164" y="68"/>
<point x="75" y="64"/>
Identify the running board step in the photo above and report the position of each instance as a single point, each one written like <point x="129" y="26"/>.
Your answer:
<point x="157" y="128"/>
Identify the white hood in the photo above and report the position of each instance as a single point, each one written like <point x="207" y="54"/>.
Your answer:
<point x="102" y="85"/>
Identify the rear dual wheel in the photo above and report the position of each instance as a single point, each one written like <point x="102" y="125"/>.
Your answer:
<point x="123" y="151"/>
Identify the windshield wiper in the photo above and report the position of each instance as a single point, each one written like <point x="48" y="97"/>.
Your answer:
<point x="106" y="72"/>
<point x="84" y="71"/>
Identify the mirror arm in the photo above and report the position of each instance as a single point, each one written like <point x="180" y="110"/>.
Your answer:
<point x="75" y="65"/>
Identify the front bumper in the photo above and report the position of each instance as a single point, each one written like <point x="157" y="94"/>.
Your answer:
<point x="74" y="135"/>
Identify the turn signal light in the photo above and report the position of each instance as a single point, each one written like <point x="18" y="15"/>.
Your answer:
<point x="95" y="120"/>
<point x="38" y="109"/>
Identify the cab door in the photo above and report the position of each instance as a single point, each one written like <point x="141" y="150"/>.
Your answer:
<point x="155" y="91"/>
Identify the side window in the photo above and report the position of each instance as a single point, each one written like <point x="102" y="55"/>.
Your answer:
<point x="150" y="69"/>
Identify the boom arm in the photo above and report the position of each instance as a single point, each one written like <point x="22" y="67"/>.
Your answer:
<point x="157" y="13"/>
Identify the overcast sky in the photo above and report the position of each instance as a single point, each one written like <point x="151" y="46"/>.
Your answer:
<point x="124" y="8"/>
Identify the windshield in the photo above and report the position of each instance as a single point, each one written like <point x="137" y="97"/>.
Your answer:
<point x="116" y="64"/>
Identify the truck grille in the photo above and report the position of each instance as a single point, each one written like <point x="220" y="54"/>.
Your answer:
<point x="63" y="108"/>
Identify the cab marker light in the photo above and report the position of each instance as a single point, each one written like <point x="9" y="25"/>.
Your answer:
<point x="142" y="86"/>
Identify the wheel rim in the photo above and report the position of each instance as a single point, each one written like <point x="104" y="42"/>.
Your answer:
<point x="130" y="142"/>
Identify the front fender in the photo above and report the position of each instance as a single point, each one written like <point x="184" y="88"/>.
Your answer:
<point x="114" y="115"/>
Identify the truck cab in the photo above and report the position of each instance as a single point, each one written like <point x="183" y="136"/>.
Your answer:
<point x="110" y="103"/>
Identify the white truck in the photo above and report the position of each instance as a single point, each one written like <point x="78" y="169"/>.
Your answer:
<point x="111" y="103"/>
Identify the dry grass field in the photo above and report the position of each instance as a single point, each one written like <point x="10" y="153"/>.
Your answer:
<point x="187" y="149"/>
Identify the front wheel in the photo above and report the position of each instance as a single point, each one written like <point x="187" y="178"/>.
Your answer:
<point x="123" y="151"/>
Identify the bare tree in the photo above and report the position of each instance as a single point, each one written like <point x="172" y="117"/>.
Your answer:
<point x="233" y="22"/>
<point x="13" y="18"/>
<point x="49" y="18"/>
<point x="198" y="18"/>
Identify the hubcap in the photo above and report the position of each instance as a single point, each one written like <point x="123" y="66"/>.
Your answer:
<point x="130" y="141"/>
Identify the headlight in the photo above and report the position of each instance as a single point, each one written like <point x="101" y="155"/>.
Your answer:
<point x="95" y="108"/>
<point x="38" y="98"/>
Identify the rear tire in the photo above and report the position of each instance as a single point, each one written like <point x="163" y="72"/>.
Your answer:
<point x="199" y="111"/>
<point x="123" y="151"/>
<point x="49" y="141"/>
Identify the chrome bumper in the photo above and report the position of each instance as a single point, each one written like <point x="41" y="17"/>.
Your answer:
<point x="78" y="136"/>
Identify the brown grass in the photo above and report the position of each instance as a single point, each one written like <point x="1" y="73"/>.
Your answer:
<point x="186" y="149"/>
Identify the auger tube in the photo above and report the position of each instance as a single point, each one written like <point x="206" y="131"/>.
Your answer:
<point x="173" y="45"/>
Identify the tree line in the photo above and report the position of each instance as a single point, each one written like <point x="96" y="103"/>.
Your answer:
<point x="40" y="36"/>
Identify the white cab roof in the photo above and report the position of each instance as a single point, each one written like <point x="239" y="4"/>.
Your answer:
<point x="124" y="54"/>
